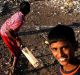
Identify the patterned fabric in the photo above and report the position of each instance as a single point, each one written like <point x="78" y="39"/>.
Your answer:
<point x="14" y="23"/>
<point x="12" y="46"/>
<point x="75" y="71"/>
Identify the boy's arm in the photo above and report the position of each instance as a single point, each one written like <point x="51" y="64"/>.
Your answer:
<point x="18" y="40"/>
<point x="14" y="36"/>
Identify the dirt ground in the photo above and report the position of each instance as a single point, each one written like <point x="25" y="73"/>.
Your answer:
<point x="34" y="34"/>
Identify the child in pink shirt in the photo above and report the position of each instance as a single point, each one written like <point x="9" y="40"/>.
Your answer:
<point x="9" y="30"/>
<point x="12" y="24"/>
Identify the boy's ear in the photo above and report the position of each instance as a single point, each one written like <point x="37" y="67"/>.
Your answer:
<point x="76" y="45"/>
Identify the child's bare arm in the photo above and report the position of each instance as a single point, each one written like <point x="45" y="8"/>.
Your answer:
<point x="14" y="36"/>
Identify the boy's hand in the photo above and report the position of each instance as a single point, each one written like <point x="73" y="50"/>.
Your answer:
<point x="18" y="41"/>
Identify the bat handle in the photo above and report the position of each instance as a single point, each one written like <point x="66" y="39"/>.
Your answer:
<point x="21" y="46"/>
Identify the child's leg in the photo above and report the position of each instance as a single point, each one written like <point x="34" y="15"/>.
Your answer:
<point x="15" y="62"/>
<point x="14" y="49"/>
<point x="14" y="65"/>
<point x="12" y="46"/>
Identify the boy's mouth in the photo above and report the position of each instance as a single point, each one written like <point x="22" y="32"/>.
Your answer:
<point x="62" y="59"/>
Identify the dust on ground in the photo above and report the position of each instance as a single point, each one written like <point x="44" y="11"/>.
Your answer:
<point x="33" y="33"/>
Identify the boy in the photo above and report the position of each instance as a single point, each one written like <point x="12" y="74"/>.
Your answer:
<point x="63" y="44"/>
<point x="9" y="30"/>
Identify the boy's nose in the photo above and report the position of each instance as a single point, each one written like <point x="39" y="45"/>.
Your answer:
<point x="60" y="53"/>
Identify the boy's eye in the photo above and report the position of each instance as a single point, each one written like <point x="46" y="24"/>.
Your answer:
<point x="53" y="49"/>
<point x="65" y="47"/>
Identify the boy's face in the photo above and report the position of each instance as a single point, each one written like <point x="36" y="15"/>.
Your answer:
<point x="62" y="51"/>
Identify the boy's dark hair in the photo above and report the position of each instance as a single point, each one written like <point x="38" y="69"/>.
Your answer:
<point x="25" y="7"/>
<point x="62" y="32"/>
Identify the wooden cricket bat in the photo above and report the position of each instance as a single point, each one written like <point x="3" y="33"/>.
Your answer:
<point x="35" y="63"/>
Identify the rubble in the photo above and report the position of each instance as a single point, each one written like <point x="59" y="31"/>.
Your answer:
<point x="44" y="15"/>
